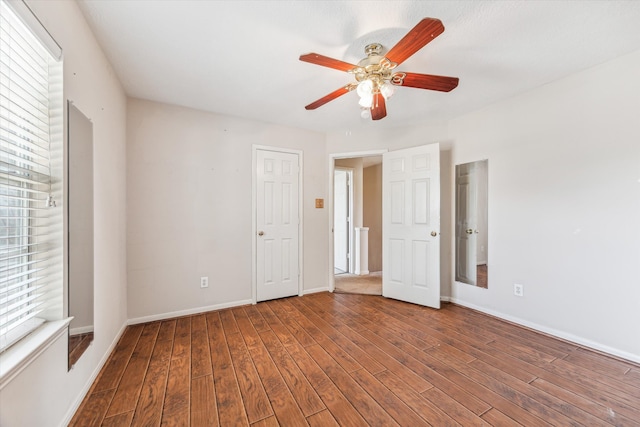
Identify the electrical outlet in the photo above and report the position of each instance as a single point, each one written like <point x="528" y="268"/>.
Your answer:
<point x="518" y="290"/>
<point x="204" y="282"/>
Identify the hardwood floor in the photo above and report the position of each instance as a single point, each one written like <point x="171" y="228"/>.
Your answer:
<point x="342" y="359"/>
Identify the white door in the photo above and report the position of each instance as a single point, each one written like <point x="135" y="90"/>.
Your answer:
<point x="466" y="223"/>
<point x="277" y="222"/>
<point x="341" y="221"/>
<point x="411" y="225"/>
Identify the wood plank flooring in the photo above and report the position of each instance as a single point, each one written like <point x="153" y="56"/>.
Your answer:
<point x="355" y="360"/>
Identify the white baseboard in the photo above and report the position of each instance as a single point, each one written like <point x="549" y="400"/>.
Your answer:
<point x="550" y="331"/>
<point x="74" y="407"/>
<point x="188" y="312"/>
<point x="315" y="290"/>
<point x="81" y="330"/>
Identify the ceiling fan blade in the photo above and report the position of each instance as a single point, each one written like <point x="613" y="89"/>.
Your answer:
<point x="379" y="108"/>
<point x="426" y="30"/>
<point x="325" y="61"/>
<point x="428" y="81"/>
<point x="333" y="95"/>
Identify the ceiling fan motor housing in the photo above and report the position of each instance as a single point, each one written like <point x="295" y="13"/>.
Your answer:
<point x="375" y="67"/>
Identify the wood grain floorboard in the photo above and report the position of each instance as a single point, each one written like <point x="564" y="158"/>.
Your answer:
<point x="307" y="399"/>
<point x="416" y="401"/>
<point x="229" y="402"/>
<point x="204" y="411"/>
<point x="355" y="360"/>
<point x="256" y="402"/>
<point x="149" y="408"/>
<point x="130" y="385"/>
<point x="284" y="405"/>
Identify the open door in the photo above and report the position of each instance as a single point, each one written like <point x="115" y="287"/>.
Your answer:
<point x="411" y="225"/>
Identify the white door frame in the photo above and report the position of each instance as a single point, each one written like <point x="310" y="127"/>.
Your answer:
<point x="332" y="160"/>
<point x="254" y="229"/>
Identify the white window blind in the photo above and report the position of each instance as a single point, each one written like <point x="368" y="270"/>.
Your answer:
<point x="25" y="178"/>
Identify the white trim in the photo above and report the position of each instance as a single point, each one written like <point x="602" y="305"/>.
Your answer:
<point x="188" y="312"/>
<point x="80" y="330"/>
<point x="254" y="230"/>
<point x="76" y="404"/>
<point x="20" y="355"/>
<point x="551" y="331"/>
<point x="332" y="162"/>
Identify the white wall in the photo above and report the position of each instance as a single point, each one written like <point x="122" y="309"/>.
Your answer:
<point x="189" y="180"/>
<point x="564" y="203"/>
<point x="91" y="84"/>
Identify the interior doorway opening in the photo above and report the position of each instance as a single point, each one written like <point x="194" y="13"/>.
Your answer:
<point x="357" y="224"/>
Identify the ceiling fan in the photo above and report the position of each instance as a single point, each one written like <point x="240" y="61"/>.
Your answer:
<point x="375" y="75"/>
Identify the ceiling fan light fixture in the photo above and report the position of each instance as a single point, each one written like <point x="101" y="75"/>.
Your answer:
<point x="366" y="101"/>
<point x="387" y="90"/>
<point x="365" y="88"/>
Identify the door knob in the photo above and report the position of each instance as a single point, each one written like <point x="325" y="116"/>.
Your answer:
<point x="469" y="231"/>
<point x="434" y="234"/>
<point x="260" y="233"/>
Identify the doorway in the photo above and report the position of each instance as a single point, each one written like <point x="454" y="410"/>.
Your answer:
<point x="357" y="224"/>
<point x="410" y="222"/>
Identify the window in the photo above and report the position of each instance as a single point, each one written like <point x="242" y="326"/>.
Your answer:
<point x="30" y="227"/>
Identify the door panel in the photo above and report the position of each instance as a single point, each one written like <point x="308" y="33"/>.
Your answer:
<point x="277" y="220"/>
<point x="411" y="213"/>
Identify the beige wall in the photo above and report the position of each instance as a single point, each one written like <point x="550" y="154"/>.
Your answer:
<point x="189" y="207"/>
<point x="372" y="213"/>
<point x="89" y="81"/>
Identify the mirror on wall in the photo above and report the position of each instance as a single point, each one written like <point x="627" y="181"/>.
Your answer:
<point x="80" y="229"/>
<point x="471" y="223"/>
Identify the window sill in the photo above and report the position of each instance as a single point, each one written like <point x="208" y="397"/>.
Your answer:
<point x="21" y="354"/>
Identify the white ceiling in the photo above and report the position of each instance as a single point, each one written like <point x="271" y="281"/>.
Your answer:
<point x="241" y="57"/>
